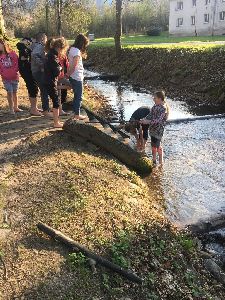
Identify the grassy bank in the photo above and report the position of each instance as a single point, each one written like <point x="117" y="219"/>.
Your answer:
<point x="194" y="73"/>
<point x="87" y="194"/>
<point x="136" y="40"/>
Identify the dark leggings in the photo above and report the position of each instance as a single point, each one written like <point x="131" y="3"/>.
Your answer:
<point x="145" y="128"/>
<point x="31" y="84"/>
<point x="53" y="94"/>
<point x="63" y="96"/>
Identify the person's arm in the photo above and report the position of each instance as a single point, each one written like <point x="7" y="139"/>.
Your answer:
<point x="159" y="120"/>
<point x="55" y="66"/>
<point x="147" y="120"/>
<point x="72" y="65"/>
<point x="15" y="61"/>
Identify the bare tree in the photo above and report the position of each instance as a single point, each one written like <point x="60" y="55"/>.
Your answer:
<point x="2" y="23"/>
<point x="118" y="33"/>
<point x="59" y="16"/>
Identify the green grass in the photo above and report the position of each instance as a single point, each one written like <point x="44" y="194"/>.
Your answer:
<point x="164" y="41"/>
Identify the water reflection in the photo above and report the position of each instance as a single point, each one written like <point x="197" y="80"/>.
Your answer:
<point x="125" y="100"/>
<point x="120" y="103"/>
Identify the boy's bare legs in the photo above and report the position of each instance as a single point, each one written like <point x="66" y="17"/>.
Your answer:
<point x="15" y="103"/>
<point x="154" y="153"/>
<point x="10" y="102"/>
<point x="57" y="124"/>
<point x="33" y="107"/>
<point x="144" y="144"/>
<point x="160" y="152"/>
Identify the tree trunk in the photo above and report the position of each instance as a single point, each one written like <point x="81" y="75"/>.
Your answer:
<point x="59" y="17"/>
<point x="47" y="16"/>
<point x="118" y="33"/>
<point x="2" y="23"/>
<point x="59" y="236"/>
<point x="111" y="142"/>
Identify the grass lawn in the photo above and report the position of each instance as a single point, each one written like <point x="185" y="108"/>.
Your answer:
<point x="149" y="41"/>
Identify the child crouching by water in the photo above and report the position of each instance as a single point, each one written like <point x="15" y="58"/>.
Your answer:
<point x="52" y="69"/>
<point x="135" y="128"/>
<point x="157" y="121"/>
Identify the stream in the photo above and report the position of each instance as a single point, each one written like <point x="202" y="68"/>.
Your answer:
<point x="193" y="177"/>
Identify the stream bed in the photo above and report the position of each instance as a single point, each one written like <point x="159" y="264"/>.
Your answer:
<point x="193" y="177"/>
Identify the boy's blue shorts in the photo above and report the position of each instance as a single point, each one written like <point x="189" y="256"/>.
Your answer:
<point x="11" y="86"/>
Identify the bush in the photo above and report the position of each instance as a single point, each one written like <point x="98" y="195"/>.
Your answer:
<point x="154" y="31"/>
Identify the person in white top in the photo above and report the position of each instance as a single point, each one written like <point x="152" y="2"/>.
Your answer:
<point x="76" y="72"/>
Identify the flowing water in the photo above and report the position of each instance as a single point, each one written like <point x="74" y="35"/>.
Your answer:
<point x="193" y="177"/>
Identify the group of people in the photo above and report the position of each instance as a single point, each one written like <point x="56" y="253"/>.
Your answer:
<point x="51" y="67"/>
<point x="48" y="66"/>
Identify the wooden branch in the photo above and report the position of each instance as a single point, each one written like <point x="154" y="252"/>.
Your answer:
<point x="57" y="235"/>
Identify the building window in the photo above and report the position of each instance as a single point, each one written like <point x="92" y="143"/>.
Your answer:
<point x="192" y="20"/>
<point x="180" y="5"/>
<point x="194" y="2"/>
<point x="207" y="2"/>
<point x="179" y="22"/>
<point x="222" y="15"/>
<point x="206" y="18"/>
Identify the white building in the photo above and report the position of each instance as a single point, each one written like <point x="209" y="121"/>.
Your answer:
<point x="197" y="17"/>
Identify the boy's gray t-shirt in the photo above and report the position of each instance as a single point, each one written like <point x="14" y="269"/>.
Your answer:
<point x="37" y="57"/>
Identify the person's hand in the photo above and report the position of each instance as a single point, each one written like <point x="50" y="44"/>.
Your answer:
<point x="143" y="121"/>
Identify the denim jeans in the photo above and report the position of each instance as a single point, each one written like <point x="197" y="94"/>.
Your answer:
<point x="38" y="77"/>
<point x="77" y="87"/>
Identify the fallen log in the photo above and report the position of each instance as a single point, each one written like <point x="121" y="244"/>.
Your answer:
<point x="197" y="118"/>
<point x="59" y="236"/>
<point x="103" y="121"/>
<point x="121" y="150"/>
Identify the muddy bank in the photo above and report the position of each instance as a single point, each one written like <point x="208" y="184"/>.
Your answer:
<point x="193" y="75"/>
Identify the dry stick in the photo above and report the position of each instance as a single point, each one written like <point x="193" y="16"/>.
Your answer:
<point x="57" y="235"/>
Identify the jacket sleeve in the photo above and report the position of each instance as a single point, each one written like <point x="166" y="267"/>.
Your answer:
<point x="38" y="55"/>
<point x="56" y="68"/>
<point x="15" y="61"/>
<point x="22" y="49"/>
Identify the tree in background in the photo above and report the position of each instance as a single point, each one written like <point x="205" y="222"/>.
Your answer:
<point x="2" y="23"/>
<point x="118" y="32"/>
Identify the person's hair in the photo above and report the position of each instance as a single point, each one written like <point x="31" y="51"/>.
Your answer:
<point x="81" y="43"/>
<point x="39" y="36"/>
<point x="131" y="127"/>
<point x="59" y="43"/>
<point x="48" y="44"/>
<point x="161" y="95"/>
<point x="6" y="46"/>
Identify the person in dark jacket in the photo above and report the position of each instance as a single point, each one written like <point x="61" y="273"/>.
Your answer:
<point x="24" y="48"/>
<point x="52" y="69"/>
<point x="135" y="128"/>
<point x="37" y="68"/>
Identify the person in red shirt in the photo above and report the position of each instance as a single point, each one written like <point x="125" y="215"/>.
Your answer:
<point x="9" y="72"/>
<point x="63" y="83"/>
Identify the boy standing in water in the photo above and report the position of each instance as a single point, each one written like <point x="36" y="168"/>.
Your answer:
<point x="135" y="128"/>
<point x="157" y="121"/>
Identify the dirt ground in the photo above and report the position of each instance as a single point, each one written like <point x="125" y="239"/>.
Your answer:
<point x="77" y="188"/>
